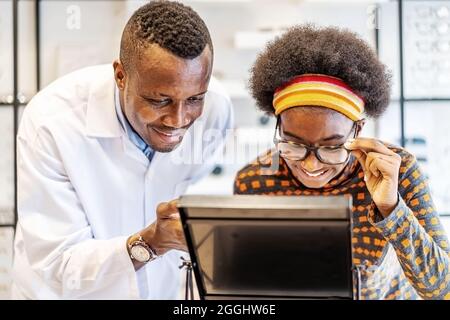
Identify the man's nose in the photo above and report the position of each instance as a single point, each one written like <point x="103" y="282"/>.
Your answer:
<point x="178" y="117"/>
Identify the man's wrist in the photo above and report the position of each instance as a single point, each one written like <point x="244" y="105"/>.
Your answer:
<point x="139" y="250"/>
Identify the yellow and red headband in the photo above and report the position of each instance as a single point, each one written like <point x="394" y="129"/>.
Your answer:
<point x="319" y="90"/>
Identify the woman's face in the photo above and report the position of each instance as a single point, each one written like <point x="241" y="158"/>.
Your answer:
<point x="315" y="126"/>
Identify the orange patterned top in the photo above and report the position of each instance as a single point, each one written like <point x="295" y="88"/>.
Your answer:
<point x="404" y="256"/>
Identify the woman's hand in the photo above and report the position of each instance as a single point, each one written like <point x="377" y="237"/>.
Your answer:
<point x="381" y="170"/>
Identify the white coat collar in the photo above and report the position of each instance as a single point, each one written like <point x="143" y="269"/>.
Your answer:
<point x="101" y="117"/>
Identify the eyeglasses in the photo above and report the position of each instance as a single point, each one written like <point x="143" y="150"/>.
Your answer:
<point x="293" y="151"/>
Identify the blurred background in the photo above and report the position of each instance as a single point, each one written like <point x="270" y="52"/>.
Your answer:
<point x="42" y="40"/>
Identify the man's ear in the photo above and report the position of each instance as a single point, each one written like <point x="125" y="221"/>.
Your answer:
<point x="359" y="126"/>
<point x="119" y="74"/>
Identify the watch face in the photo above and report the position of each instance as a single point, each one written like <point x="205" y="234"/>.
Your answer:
<point x="140" y="253"/>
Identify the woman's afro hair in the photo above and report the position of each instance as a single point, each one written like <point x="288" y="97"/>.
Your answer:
<point x="330" y="51"/>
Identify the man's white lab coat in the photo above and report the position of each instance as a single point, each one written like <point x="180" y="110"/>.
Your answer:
<point x="84" y="187"/>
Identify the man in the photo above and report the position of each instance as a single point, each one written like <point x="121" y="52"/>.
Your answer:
<point x="97" y="164"/>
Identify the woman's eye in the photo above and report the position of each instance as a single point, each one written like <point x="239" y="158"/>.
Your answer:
<point x="339" y="146"/>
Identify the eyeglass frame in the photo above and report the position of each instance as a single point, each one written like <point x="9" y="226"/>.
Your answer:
<point x="310" y="149"/>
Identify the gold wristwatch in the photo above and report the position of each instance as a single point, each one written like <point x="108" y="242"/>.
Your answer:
<point x="139" y="250"/>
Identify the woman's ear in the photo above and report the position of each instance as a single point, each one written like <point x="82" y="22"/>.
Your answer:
<point x="359" y="126"/>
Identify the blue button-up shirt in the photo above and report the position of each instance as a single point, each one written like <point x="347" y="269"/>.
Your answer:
<point x="131" y="133"/>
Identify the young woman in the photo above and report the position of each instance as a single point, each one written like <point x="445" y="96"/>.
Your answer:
<point x="321" y="84"/>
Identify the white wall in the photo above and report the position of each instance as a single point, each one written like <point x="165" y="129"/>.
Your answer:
<point x="425" y="121"/>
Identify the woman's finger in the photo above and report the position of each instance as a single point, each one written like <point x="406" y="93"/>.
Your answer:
<point x="361" y="157"/>
<point x="371" y="165"/>
<point x="387" y="168"/>
<point x="368" y="145"/>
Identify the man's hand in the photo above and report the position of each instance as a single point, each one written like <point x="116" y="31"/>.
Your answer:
<point x="381" y="169"/>
<point x="166" y="232"/>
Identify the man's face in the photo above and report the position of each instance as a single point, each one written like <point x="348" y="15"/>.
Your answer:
<point x="162" y="95"/>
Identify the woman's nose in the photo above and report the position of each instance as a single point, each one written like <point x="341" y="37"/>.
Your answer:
<point x="311" y="163"/>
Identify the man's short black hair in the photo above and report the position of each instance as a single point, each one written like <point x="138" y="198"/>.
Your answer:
<point x="330" y="51"/>
<point x="172" y="25"/>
